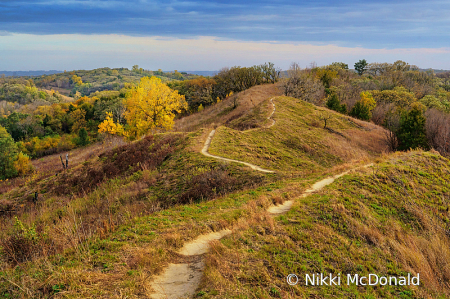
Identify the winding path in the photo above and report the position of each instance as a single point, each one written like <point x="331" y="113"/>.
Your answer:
<point x="204" y="151"/>
<point x="182" y="280"/>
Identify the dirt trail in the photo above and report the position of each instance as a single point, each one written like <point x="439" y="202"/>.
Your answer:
<point x="182" y="280"/>
<point x="286" y="206"/>
<point x="204" y="151"/>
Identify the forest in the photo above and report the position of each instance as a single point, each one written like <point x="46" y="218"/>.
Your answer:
<point x="39" y="119"/>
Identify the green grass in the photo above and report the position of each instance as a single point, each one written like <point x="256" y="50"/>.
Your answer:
<point x="296" y="143"/>
<point x="388" y="220"/>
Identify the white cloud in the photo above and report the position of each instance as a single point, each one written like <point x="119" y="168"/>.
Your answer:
<point x="31" y="52"/>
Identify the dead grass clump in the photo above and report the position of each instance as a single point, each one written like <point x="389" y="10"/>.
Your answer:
<point x="207" y="185"/>
<point x="147" y="153"/>
<point x="277" y="199"/>
<point x="173" y="240"/>
<point x="24" y="246"/>
<point x="147" y="258"/>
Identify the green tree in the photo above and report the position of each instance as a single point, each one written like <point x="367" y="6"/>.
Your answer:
<point x="363" y="108"/>
<point x="361" y="66"/>
<point x="339" y="65"/>
<point x="83" y="137"/>
<point x="334" y="103"/>
<point x="8" y="155"/>
<point x="411" y="133"/>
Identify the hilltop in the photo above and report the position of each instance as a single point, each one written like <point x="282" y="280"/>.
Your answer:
<point x="171" y="193"/>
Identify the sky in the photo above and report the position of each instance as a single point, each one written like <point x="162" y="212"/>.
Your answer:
<point x="209" y="35"/>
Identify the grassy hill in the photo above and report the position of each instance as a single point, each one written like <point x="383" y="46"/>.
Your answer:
<point x="117" y="216"/>
<point x="391" y="219"/>
<point x="298" y="142"/>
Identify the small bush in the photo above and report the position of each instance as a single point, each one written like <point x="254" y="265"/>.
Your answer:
<point x="206" y="185"/>
<point x="23" y="164"/>
<point x="24" y="244"/>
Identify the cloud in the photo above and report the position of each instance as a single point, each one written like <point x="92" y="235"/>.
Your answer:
<point x="374" y="24"/>
<point x="79" y="51"/>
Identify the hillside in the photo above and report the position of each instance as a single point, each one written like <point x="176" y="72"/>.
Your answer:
<point x="119" y="216"/>
<point x="390" y="219"/>
<point x="101" y="79"/>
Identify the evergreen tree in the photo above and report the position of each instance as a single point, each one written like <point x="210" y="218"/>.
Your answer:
<point x="360" y="66"/>
<point x="333" y="103"/>
<point x="363" y="108"/>
<point x="411" y="133"/>
<point x="83" y="137"/>
<point x="8" y="155"/>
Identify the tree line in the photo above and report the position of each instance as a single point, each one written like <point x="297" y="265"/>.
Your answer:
<point x="202" y="92"/>
<point x="412" y="104"/>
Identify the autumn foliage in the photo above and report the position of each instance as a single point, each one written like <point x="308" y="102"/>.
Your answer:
<point x="150" y="106"/>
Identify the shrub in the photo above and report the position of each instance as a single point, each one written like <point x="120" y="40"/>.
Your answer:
<point x="83" y="137"/>
<point x="333" y="103"/>
<point x="8" y="154"/>
<point x="206" y="185"/>
<point x="23" y="164"/>
<point x="411" y="133"/>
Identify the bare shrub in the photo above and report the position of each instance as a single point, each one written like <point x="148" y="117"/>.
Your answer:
<point x="392" y="124"/>
<point x="302" y="84"/>
<point x="438" y="130"/>
<point x="207" y="185"/>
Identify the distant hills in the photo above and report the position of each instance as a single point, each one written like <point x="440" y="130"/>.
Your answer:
<point x="202" y="73"/>
<point x="51" y="72"/>
<point x="28" y="73"/>
<point x="199" y="73"/>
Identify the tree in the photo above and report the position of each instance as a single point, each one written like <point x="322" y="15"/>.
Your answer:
<point x="78" y="118"/>
<point x="360" y="66"/>
<point x="8" y="155"/>
<point x="411" y="133"/>
<point x="83" y="137"/>
<point x="23" y="164"/>
<point x="271" y="74"/>
<point x="333" y="103"/>
<point x="109" y="126"/>
<point x="363" y="108"/>
<point x="339" y="65"/>
<point x="76" y="80"/>
<point x="301" y="84"/>
<point x="150" y="106"/>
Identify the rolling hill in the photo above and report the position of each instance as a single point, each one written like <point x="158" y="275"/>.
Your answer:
<point x="122" y="213"/>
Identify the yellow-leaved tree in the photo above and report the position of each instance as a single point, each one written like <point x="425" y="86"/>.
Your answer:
<point x="109" y="126"/>
<point x="150" y="106"/>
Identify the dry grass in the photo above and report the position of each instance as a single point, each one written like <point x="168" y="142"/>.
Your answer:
<point x="294" y="145"/>
<point x="50" y="165"/>
<point x="383" y="220"/>
<point x="221" y="113"/>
